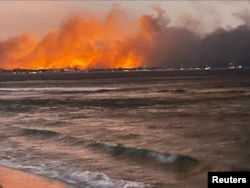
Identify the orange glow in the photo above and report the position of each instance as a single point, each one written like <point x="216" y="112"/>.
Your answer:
<point x="80" y="42"/>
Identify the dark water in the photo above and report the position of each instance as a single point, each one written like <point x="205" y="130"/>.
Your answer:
<point x="166" y="132"/>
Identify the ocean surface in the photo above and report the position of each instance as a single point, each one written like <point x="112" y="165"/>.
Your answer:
<point x="127" y="132"/>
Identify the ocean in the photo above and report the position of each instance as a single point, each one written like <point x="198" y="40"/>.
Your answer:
<point x="140" y="131"/>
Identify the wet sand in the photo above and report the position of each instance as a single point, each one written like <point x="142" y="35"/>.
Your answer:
<point x="10" y="178"/>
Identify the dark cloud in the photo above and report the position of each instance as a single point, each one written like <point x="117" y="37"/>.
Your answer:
<point x="221" y="47"/>
<point x="182" y="46"/>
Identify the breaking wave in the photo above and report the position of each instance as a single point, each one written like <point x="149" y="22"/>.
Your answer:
<point x="148" y="155"/>
<point x="118" y="150"/>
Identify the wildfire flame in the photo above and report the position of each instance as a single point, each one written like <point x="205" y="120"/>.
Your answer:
<point x="121" y="41"/>
<point x="82" y="42"/>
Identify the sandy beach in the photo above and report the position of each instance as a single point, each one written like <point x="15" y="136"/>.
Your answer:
<point x="10" y="178"/>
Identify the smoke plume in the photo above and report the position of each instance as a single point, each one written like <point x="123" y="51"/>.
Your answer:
<point x="118" y="41"/>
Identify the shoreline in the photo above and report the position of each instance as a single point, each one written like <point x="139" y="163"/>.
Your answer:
<point x="13" y="178"/>
<point x="95" y="75"/>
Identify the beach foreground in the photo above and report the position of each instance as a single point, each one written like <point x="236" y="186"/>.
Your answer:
<point x="10" y="178"/>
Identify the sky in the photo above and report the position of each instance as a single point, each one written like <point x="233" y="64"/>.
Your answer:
<point x="39" y="16"/>
<point x="124" y="34"/>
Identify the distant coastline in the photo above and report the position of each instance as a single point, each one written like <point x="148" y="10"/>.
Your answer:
<point x="24" y="75"/>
